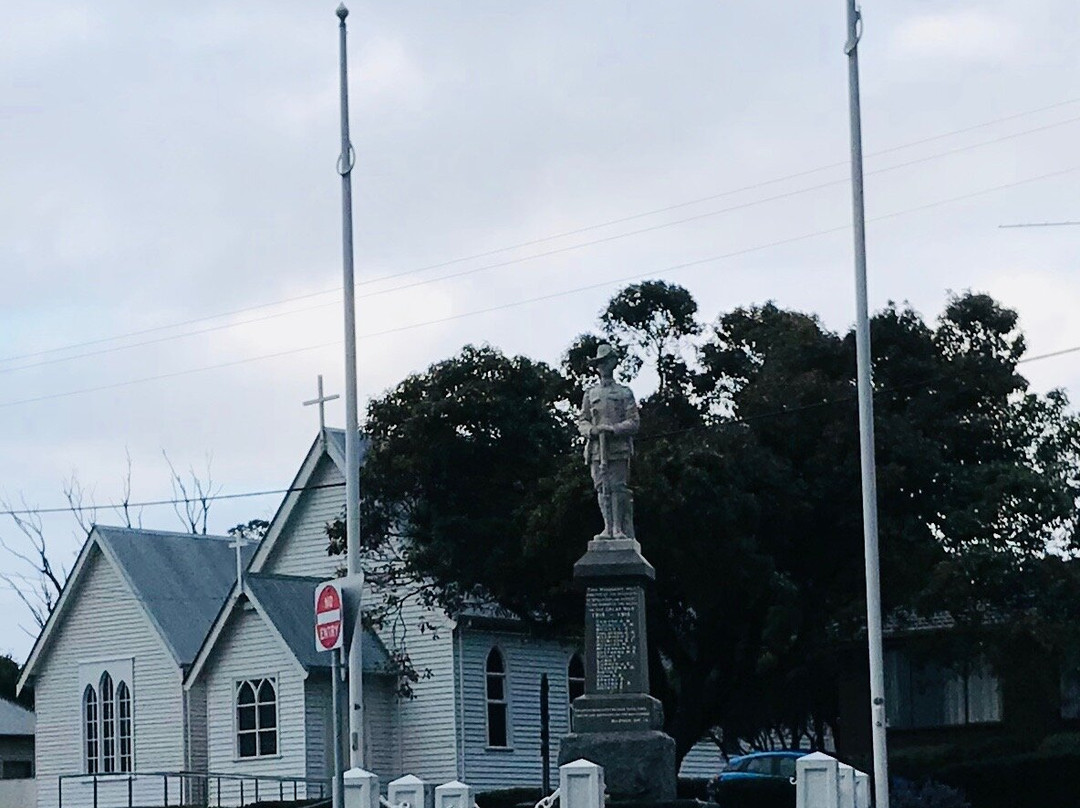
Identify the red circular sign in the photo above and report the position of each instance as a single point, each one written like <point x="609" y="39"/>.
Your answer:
<point x="327" y="617"/>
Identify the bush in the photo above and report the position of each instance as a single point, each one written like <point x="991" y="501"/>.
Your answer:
<point x="693" y="788"/>
<point x="510" y="797"/>
<point x="928" y="794"/>
<point x="1036" y="779"/>
<point x="763" y="793"/>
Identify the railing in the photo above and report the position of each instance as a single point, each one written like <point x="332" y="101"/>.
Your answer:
<point x="186" y="788"/>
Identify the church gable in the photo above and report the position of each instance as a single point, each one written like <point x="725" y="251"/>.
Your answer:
<point x="299" y="546"/>
<point x="104" y="630"/>
<point x="255" y="701"/>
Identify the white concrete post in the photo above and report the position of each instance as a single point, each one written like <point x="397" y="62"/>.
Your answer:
<point x="862" y="789"/>
<point x="361" y="789"/>
<point x="846" y="785"/>
<point x="454" y="794"/>
<point x="581" y="784"/>
<point x="408" y="789"/>
<point x="817" y="781"/>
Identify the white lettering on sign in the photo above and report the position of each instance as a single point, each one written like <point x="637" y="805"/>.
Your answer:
<point x="328" y="617"/>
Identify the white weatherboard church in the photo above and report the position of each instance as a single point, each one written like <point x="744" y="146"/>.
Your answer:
<point x="158" y="662"/>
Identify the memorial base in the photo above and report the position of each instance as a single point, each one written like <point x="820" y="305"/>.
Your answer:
<point x="639" y="767"/>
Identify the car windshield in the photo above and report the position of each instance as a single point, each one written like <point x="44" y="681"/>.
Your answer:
<point x="786" y="766"/>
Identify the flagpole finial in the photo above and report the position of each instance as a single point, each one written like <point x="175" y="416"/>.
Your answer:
<point x="342" y="12"/>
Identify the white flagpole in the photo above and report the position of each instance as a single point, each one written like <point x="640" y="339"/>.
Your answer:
<point x="866" y="425"/>
<point x="352" y="428"/>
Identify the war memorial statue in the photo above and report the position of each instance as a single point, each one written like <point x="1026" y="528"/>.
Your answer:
<point x="617" y="723"/>
<point x="608" y="420"/>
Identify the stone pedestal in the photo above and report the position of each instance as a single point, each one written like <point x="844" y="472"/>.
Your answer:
<point x="617" y="724"/>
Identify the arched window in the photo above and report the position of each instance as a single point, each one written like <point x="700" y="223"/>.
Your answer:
<point x="123" y="715"/>
<point x="108" y="725"/>
<point x="497" y="700"/>
<point x="256" y="718"/>
<point x="575" y="677"/>
<point x="90" y="729"/>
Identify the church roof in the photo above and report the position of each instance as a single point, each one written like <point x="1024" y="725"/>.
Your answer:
<point x="288" y="601"/>
<point x="15" y="719"/>
<point x="180" y="578"/>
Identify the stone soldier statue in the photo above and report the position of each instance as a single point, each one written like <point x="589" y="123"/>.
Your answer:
<point x="608" y="419"/>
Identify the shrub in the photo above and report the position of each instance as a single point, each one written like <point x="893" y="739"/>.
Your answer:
<point x="927" y="794"/>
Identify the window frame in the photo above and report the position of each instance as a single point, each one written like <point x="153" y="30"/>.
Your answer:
<point x="93" y="675"/>
<point x="503" y="703"/>
<point x="91" y="726"/>
<point x="256" y="683"/>
<point x="905" y="676"/>
<point x="570" y="685"/>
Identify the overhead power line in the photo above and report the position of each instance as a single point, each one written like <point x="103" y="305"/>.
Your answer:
<point x="156" y="502"/>
<point x="1040" y="224"/>
<point x="546" y="254"/>
<point x="550" y="296"/>
<point x="787" y="411"/>
<point x="576" y="231"/>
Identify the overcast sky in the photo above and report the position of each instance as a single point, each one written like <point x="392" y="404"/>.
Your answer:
<point x="167" y="167"/>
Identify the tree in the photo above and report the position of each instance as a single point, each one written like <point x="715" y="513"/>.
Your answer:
<point x="9" y="680"/>
<point x="40" y="579"/>
<point x="747" y="489"/>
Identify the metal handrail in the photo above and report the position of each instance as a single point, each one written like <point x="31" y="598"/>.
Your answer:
<point x="186" y="776"/>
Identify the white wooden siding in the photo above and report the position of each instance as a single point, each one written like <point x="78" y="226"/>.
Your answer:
<point x="383" y="735"/>
<point x="381" y="753"/>
<point x="301" y="547"/>
<point x="249" y="649"/>
<point x="703" y="760"/>
<point x="427" y="722"/>
<point x="106" y="622"/>
<point x="196" y="745"/>
<point x="526" y="659"/>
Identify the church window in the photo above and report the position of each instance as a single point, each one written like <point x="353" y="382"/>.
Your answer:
<point x="497" y="701"/>
<point x="123" y="714"/>
<point x="256" y="718"/>
<point x="921" y="692"/>
<point x="575" y="677"/>
<point x="90" y="724"/>
<point x="107" y="717"/>
<point x="108" y="725"/>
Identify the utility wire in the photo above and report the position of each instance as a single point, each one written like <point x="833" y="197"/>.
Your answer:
<point x="156" y="502"/>
<point x="564" y="234"/>
<point x="550" y="296"/>
<point x="729" y="422"/>
<point x="545" y="254"/>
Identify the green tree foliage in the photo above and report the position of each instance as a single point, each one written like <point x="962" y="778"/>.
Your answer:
<point x="747" y="491"/>
<point x="9" y="681"/>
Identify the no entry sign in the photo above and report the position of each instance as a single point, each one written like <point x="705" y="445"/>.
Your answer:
<point x="328" y="616"/>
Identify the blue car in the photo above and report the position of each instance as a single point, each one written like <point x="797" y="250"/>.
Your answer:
<point x="758" y="780"/>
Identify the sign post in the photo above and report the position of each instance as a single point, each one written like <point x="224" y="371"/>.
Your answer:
<point x="329" y="636"/>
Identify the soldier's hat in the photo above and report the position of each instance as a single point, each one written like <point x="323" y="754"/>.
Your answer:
<point x="604" y="351"/>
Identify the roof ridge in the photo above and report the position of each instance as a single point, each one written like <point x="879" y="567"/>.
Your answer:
<point x="154" y="532"/>
<point x="278" y="576"/>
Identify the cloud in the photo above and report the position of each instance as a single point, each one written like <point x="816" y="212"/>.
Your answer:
<point x="958" y="36"/>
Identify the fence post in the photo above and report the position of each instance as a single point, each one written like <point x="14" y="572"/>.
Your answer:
<point x="845" y="785"/>
<point x="454" y="794"/>
<point x="95" y="792"/>
<point x="581" y="784"/>
<point x="410" y="789"/>
<point x="862" y="789"/>
<point x="361" y="789"/>
<point x="130" y="801"/>
<point x="817" y="781"/>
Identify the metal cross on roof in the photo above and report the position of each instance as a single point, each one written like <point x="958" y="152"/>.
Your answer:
<point x="321" y="401"/>
<point x="238" y="544"/>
